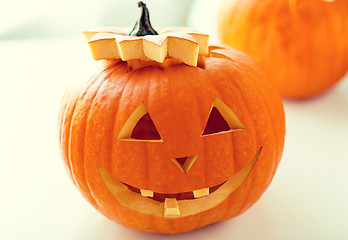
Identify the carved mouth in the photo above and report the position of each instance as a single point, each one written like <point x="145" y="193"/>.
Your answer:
<point x="161" y="197"/>
<point x="174" y="205"/>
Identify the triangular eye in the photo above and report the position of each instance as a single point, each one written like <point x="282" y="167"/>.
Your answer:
<point x="216" y="123"/>
<point x="145" y="129"/>
<point x="221" y="119"/>
<point x="139" y="126"/>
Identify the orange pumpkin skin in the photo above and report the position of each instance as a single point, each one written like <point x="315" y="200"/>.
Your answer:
<point x="301" y="44"/>
<point x="179" y="99"/>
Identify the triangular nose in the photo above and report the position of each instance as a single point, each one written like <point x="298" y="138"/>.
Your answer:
<point x="184" y="163"/>
<point x="182" y="160"/>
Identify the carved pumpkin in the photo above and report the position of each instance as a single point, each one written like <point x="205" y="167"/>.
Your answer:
<point x="302" y="44"/>
<point x="166" y="146"/>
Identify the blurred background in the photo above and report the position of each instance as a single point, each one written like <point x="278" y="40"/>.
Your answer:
<point x="65" y="18"/>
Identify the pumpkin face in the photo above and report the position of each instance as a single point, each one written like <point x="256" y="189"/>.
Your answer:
<point x="175" y="174"/>
<point x="167" y="147"/>
<point x="302" y="45"/>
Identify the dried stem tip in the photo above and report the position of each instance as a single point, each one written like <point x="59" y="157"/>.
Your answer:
<point x="143" y="26"/>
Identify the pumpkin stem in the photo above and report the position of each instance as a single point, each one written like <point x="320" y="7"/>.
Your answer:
<point x="143" y="26"/>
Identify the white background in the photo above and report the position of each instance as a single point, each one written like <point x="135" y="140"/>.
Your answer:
<point x="306" y="200"/>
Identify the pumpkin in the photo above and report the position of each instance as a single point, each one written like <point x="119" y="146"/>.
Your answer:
<point x="301" y="44"/>
<point x="170" y="145"/>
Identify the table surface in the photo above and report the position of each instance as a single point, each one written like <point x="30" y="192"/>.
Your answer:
<point x="306" y="200"/>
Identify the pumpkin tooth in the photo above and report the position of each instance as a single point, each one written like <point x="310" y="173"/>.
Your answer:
<point x="171" y="208"/>
<point x="201" y="192"/>
<point x="146" y="193"/>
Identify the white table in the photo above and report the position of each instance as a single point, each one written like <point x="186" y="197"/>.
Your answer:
<point x="308" y="198"/>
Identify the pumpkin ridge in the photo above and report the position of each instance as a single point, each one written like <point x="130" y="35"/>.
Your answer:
<point x="225" y="214"/>
<point x="153" y="77"/>
<point x="64" y="117"/>
<point x="216" y="92"/>
<point x="72" y="91"/>
<point x="275" y="129"/>
<point x="198" y="106"/>
<point x="271" y="113"/>
<point x="251" y="177"/>
<point x="249" y="198"/>
<point x="147" y="170"/>
<point x="132" y="88"/>
<point x="127" y="77"/>
<point x="116" y="79"/>
<point x="70" y="133"/>
<point x="67" y="145"/>
<point x="211" y="81"/>
<point x="169" y="83"/>
<point x="76" y="174"/>
<point x="87" y="113"/>
<point x="236" y="68"/>
<point x="91" y="101"/>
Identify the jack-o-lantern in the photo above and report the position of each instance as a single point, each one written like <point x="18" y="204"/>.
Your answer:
<point x="171" y="134"/>
<point x="301" y="44"/>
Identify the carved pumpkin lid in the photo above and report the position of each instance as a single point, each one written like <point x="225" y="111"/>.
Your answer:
<point x="144" y="43"/>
